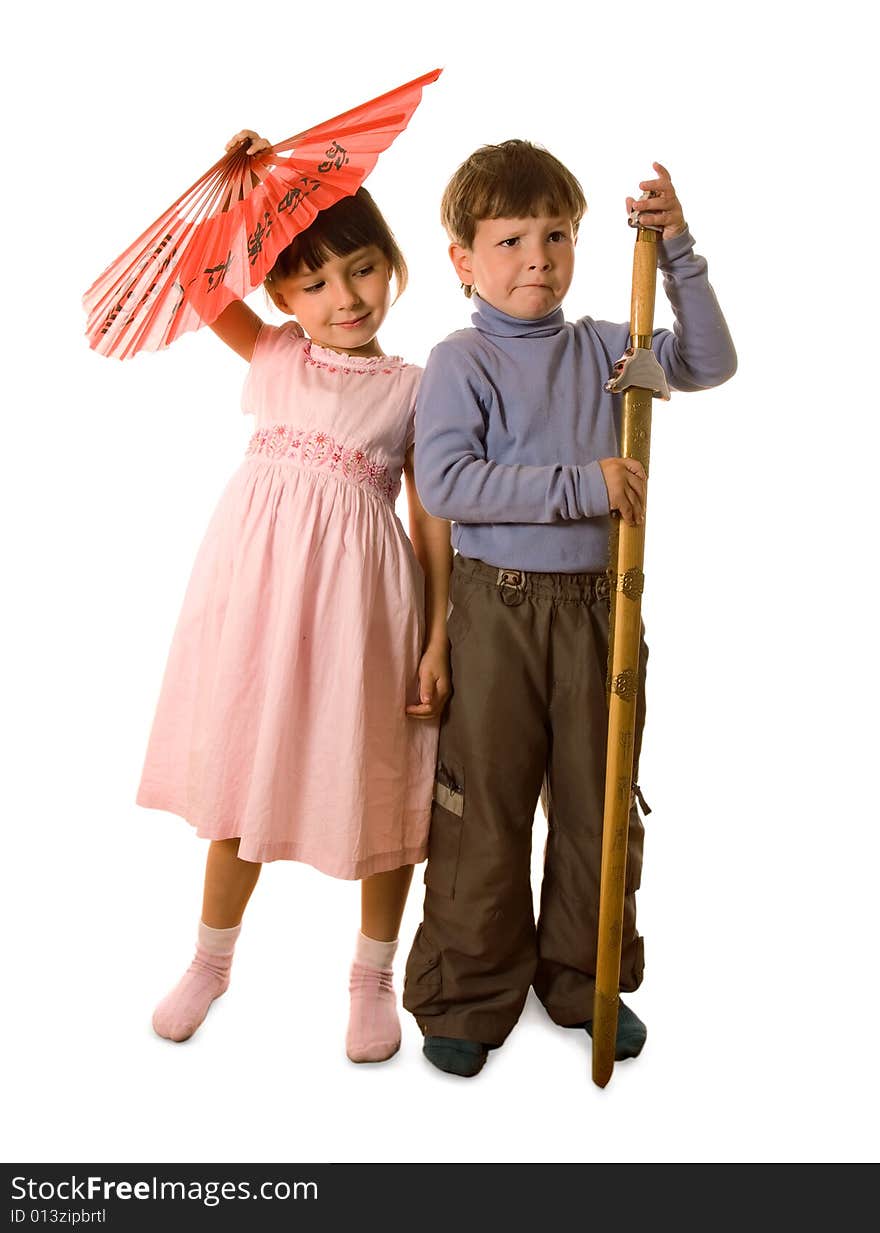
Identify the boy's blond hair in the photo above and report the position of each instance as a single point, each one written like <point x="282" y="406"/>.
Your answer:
<point x="515" y="179"/>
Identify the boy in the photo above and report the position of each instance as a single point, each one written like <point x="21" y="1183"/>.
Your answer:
<point x="517" y="444"/>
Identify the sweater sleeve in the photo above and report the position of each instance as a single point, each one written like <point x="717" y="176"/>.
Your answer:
<point x="455" y="479"/>
<point x="698" y="352"/>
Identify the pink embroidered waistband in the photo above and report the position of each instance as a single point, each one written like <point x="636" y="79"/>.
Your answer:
<point x="318" y="449"/>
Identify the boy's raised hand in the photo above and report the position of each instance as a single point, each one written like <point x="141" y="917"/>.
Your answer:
<point x="257" y="143"/>
<point x="627" y="486"/>
<point x="663" y="209"/>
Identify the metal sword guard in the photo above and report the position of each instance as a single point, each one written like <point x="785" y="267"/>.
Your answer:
<point x="638" y="368"/>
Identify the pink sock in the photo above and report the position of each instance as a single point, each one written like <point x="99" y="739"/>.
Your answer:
<point x="373" y="1025"/>
<point x="179" y="1014"/>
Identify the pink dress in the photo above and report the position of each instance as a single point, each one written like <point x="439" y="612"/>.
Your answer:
<point x="281" y="716"/>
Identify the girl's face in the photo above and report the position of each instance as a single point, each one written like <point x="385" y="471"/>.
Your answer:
<point x="341" y="304"/>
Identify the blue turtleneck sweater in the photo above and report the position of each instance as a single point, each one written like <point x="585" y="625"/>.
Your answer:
<point x="512" y="418"/>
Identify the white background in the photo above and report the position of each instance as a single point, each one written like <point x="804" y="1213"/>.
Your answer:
<point x="759" y="889"/>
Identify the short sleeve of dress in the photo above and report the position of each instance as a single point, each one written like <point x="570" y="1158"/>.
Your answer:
<point x="272" y="342"/>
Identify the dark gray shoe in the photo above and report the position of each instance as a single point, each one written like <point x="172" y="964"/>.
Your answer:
<point x="456" y="1057"/>
<point x="631" y="1033"/>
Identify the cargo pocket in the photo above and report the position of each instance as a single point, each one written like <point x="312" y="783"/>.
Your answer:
<point x="444" y="839"/>
<point x="634" y="848"/>
<point x="636" y="967"/>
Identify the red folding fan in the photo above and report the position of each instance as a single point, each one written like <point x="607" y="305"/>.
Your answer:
<point x="220" y="239"/>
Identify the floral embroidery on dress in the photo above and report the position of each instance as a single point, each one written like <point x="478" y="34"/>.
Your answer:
<point x="318" y="449"/>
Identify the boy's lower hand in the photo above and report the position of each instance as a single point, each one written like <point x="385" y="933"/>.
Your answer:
<point x="627" y="485"/>
<point x="435" y="684"/>
<point x="662" y="209"/>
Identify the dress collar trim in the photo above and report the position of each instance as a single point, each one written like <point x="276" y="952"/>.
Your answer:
<point x="336" y="361"/>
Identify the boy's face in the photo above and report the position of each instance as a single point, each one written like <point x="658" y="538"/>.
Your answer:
<point x="522" y="266"/>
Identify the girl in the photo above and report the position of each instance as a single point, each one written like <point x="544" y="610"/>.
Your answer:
<point x="298" y="714"/>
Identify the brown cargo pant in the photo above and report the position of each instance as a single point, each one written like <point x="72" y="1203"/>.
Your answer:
<point x="527" y="718"/>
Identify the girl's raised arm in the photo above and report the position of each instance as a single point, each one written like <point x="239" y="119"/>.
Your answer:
<point x="238" y="326"/>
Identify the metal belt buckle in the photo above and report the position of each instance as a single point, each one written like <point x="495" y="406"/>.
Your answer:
<point x="512" y="585"/>
<point x="605" y="584"/>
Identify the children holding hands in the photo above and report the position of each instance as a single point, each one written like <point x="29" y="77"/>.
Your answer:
<point x="310" y="668"/>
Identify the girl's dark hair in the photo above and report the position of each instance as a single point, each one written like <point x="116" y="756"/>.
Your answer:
<point x="352" y="223"/>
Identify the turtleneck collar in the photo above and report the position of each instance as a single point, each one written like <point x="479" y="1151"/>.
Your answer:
<point x="491" y="320"/>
